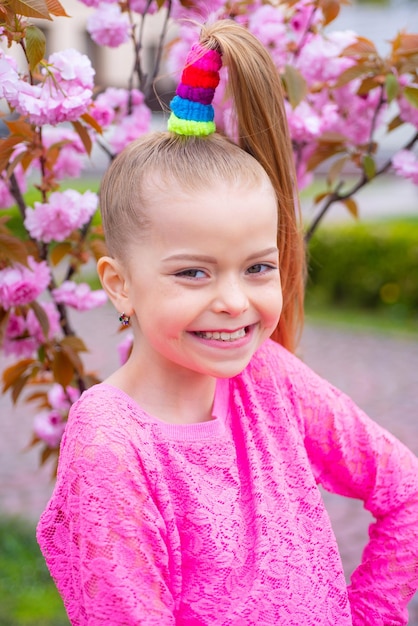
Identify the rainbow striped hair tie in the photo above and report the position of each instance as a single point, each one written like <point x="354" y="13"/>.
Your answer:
<point x="191" y="108"/>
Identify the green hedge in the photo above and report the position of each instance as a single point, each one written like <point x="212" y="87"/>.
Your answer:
<point x="365" y="265"/>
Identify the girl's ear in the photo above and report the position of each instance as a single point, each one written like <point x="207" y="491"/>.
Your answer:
<point x="114" y="282"/>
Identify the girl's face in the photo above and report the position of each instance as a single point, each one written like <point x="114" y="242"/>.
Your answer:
<point x="203" y="284"/>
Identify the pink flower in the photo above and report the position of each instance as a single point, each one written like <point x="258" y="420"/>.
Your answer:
<point x="405" y="164"/>
<point x="125" y="346"/>
<point x="49" y="426"/>
<point x="319" y="59"/>
<point x="61" y="399"/>
<point x="139" y="6"/>
<point x="20" y="347"/>
<point x="79" y="296"/>
<point x="128" y="113"/>
<point x="21" y="285"/>
<point x="267" y="24"/>
<point x="130" y="128"/>
<point x="108" y="26"/>
<point x="71" y="157"/>
<point x="56" y="219"/>
<point x="65" y="94"/>
<point x="9" y="78"/>
<point x="24" y="334"/>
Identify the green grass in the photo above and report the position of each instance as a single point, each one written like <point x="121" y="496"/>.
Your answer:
<point x="383" y="322"/>
<point x="28" y="594"/>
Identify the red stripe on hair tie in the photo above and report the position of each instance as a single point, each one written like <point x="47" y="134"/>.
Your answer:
<point x="198" y="78"/>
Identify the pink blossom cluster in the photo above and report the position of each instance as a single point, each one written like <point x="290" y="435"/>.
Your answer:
<point x="72" y="153"/>
<point x="123" y="115"/>
<point x="405" y="164"/>
<point x="79" y="296"/>
<point x="24" y="334"/>
<point x="109" y="26"/>
<point x="64" y="94"/>
<point x="64" y="212"/>
<point x="21" y="285"/>
<point x="49" y="424"/>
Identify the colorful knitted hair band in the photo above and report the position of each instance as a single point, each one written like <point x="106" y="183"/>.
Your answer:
<point x="191" y="108"/>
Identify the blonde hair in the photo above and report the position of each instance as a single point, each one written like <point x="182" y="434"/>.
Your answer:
<point x="193" y="163"/>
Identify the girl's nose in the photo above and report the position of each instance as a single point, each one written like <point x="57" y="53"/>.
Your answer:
<point x="231" y="298"/>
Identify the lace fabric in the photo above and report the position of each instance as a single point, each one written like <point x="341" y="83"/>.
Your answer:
<point x="222" y="523"/>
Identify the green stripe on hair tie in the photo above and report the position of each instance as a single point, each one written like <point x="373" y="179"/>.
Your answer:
<point x="189" y="127"/>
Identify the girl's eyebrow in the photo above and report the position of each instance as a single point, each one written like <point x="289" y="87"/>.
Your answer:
<point x="209" y="259"/>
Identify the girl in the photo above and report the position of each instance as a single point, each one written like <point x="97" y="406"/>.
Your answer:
<point x="187" y="486"/>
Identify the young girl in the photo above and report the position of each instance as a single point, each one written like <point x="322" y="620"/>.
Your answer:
<point x="187" y="485"/>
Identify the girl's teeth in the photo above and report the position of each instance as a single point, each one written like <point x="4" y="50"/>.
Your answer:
<point x="223" y="336"/>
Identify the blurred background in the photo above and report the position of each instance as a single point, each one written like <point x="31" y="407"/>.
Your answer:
<point x="361" y="330"/>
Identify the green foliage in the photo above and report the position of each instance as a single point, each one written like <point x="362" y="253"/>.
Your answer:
<point x="28" y="594"/>
<point x="366" y="266"/>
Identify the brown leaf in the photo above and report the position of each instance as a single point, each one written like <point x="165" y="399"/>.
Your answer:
<point x="84" y="136"/>
<point x="18" y="387"/>
<point x="14" y="372"/>
<point x="7" y="146"/>
<point x="75" y="343"/>
<point x="362" y="48"/>
<point x="351" y="206"/>
<point x="356" y="71"/>
<point x="62" y="368"/>
<point x="74" y="359"/>
<point x="56" y="8"/>
<point x="13" y="249"/>
<point x="58" y="252"/>
<point x="89" y="119"/>
<point x="330" y="9"/>
<point x="30" y="8"/>
<point x="41" y="316"/>
<point x="395" y="123"/>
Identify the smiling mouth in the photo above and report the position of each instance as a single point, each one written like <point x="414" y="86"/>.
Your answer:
<point x="223" y="335"/>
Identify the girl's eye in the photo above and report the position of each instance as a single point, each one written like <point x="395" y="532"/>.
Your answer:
<point x="259" y="268"/>
<point x="192" y="273"/>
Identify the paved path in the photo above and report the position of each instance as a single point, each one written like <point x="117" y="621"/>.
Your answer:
<point x="379" y="372"/>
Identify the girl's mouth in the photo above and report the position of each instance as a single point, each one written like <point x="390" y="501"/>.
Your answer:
<point x="223" y="335"/>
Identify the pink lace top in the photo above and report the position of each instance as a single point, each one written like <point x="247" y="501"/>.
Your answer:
<point x="221" y="523"/>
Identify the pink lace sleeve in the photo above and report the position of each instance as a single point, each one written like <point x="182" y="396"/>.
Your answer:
<point x="351" y="455"/>
<point x="102" y="535"/>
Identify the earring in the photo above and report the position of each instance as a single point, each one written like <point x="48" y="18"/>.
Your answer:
<point x="124" y="319"/>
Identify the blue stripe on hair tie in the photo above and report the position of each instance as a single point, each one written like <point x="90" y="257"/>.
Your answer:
<point x="188" y="110"/>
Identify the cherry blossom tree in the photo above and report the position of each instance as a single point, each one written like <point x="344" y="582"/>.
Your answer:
<point x="342" y="97"/>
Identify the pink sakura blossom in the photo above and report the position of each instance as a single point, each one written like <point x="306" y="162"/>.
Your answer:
<point x="405" y="164"/>
<point x="21" y="285"/>
<point x="140" y="6"/>
<point x="128" y="112"/>
<point x="49" y="426"/>
<point x="203" y="11"/>
<point x="125" y="346"/>
<point x="356" y="113"/>
<point x="71" y="157"/>
<point x="267" y="24"/>
<point x="9" y="77"/>
<point x="319" y="60"/>
<point x="130" y="128"/>
<point x="304" y="122"/>
<point x="56" y="219"/>
<point x="305" y="15"/>
<point x="61" y="398"/>
<point x="79" y="296"/>
<point x="24" y="335"/>
<point x="64" y="95"/>
<point x="108" y="26"/>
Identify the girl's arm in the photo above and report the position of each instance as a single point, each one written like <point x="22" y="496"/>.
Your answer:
<point x="353" y="456"/>
<point x="102" y="535"/>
